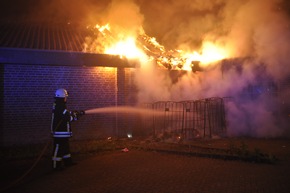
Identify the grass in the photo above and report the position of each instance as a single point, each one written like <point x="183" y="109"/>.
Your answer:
<point x="243" y="152"/>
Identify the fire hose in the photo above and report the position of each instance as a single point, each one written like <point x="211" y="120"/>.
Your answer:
<point x="75" y="114"/>
<point x="29" y="170"/>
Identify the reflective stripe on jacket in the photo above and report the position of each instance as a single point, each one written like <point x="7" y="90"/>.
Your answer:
<point x="62" y="134"/>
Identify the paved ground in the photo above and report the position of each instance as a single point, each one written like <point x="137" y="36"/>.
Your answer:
<point x="152" y="171"/>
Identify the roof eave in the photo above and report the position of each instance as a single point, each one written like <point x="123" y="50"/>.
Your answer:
<point x="62" y="58"/>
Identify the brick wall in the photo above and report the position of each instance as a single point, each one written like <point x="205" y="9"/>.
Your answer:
<point x="28" y="96"/>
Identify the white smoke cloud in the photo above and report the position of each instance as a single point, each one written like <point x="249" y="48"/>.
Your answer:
<point x="153" y="84"/>
<point x="124" y="15"/>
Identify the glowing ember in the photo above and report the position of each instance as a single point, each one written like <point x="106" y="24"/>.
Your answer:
<point x="103" y="28"/>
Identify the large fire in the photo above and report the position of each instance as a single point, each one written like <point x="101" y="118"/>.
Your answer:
<point x="144" y="47"/>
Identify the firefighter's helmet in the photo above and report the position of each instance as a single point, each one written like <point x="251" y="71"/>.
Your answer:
<point x="61" y="93"/>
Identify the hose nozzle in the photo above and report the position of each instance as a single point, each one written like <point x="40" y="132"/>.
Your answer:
<point x="82" y="112"/>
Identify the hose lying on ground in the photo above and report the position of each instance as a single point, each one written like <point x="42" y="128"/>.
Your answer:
<point x="28" y="171"/>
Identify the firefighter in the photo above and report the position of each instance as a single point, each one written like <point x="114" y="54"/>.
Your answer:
<point x="61" y="130"/>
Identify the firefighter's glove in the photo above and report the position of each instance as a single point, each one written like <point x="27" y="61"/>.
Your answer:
<point x="75" y="115"/>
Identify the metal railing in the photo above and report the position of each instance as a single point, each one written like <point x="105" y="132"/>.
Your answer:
<point x="187" y="119"/>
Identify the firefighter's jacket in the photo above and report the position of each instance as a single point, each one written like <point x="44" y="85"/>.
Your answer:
<point x="61" y="120"/>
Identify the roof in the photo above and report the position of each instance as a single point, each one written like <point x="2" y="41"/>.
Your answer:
<point x="51" y="43"/>
<point x="43" y="36"/>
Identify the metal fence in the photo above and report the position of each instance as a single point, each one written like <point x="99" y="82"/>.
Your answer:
<point x="187" y="119"/>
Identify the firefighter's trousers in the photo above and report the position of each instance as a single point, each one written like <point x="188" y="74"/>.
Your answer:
<point x="61" y="155"/>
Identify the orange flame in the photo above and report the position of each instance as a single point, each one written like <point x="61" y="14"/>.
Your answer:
<point x="212" y="53"/>
<point x="125" y="48"/>
<point x="145" y="47"/>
